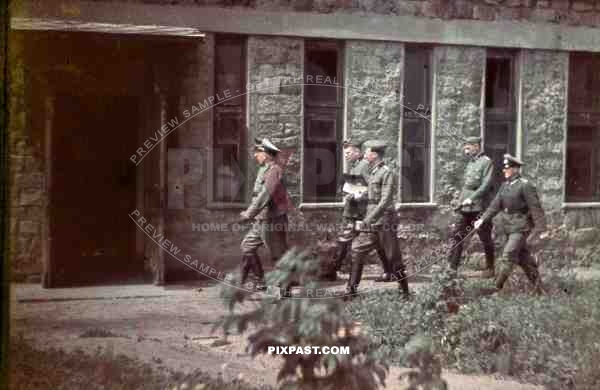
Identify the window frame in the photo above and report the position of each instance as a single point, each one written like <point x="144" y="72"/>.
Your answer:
<point x="581" y="116"/>
<point x="499" y="115"/>
<point x="319" y="110"/>
<point x="431" y="136"/>
<point x="212" y="201"/>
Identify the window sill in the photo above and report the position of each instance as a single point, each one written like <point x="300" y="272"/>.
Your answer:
<point x="226" y="206"/>
<point x="324" y="205"/>
<point x="400" y="206"/>
<point x="581" y="205"/>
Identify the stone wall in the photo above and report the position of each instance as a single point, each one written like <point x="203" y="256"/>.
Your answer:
<point x="567" y="12"/>
<point x="374" y="83"/>
<point x="544" y="93"/>
<point x="27" y="180"/>
<point x="276" y="101"/>
<point x="458" y="88"/>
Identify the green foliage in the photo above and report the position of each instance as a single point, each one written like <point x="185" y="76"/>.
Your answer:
<point x="551" y="340"/>
<point x="420" y="353"/>
<point x="305" y="322"/>
<point x="392" y="322"/>
<point x="32" y="369"/>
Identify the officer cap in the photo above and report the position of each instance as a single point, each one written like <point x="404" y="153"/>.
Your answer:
<point x="511" y="161"/>
<point x="351" y="142"/>
<point x="472" y="140"/>
<point x="267" y="146"/>
<point x="376" y="146"/>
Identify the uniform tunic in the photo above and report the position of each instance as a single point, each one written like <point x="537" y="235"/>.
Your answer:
<point x="521" y="212"/>
<point x="269" y="206"/>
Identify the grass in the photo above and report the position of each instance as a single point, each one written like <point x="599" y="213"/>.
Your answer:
<point x="551" y="340"/>
<point x="54" y="369"/>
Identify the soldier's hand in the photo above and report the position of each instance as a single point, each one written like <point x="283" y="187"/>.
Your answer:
<point x="544" y="235"/>
<point x="243" y="217"/>
<point x="467" y="202"/>
<point x="477" y="224"/>
<point x="360" y="196"/>
<point x="360" y="225"/>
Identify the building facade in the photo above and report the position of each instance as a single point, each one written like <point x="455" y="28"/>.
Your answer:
<point x="133" y="122"/>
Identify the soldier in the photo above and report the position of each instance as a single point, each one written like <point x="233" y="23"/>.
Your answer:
<point x="522" y="217"/>
<point x="268" y="208"/>
<point x="474" y="199"/>
<point x="377" y="226"/>
<point x="355" y="209"/>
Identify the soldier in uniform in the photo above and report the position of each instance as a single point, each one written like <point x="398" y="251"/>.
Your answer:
<point x="474" y="199"/>
<point x="355" y="208"/>
<point x="376" y="228"/>
<point x="522" y="217"/>
<point x="268" y="210"/>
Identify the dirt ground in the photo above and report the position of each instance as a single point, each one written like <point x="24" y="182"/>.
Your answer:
<point x="167" y="327"/>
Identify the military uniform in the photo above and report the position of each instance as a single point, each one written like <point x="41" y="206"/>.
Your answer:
<point x="378" y="225"/>
<point x="354" y="210"/>
<point x="268" y="208"/>
<point x="477" y="187"/>
<point x="521" y="213"/>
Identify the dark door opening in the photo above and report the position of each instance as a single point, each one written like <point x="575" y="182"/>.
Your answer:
<point x="93" y="189"/>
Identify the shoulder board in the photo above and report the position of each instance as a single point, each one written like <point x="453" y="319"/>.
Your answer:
<point x="386" y="167"/>
<point x="485" y="157"/>
<point x="524" y="180"/>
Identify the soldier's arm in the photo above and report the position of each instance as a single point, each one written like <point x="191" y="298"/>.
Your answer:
<point x="494" y="207"/>
<point x="535" y="207"/>
<point x="486" y="182"/>
<point x="272" y="179"/>
<point x="387" y="198"/>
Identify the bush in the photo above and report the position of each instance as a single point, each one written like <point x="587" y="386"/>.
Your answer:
<point x="392" y="322"/>
<point x="305" y="322"/>
<point x="547" y="340"/>
<point x="56" y="369"/>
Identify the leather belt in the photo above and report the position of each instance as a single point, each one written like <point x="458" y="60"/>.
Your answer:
<point x="515" y="211"/>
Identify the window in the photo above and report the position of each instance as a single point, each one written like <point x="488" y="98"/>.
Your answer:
<point x="323" y="113"/>
<point x="229" y="134"/>
<point x="583" y="130"/>
<point x="416" y="126"/>
<point x="500" y="108"/>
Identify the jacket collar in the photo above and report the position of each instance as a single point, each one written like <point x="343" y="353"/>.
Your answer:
<point x="376" y="166"/>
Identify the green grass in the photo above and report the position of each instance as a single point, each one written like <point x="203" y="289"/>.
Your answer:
<point x="53" y="369"/>
<point x="553" y="340"/>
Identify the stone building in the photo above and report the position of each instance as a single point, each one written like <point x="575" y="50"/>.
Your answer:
<point x="132" y="121"/>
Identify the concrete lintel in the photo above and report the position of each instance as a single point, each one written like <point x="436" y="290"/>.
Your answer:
<point x="39" y="24"/>
<point x="338" y="26"/>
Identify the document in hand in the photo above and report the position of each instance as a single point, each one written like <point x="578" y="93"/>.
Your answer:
<point x="354" y="184"/>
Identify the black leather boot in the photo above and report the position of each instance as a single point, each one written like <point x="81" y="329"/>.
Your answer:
<point x="257" y="268"/>
<point x="246" y="266"/>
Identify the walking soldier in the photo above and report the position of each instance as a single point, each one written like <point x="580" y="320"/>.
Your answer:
<point x="355" y="208"/>
<point x="522" y="217"/>
<point x="377" y="227"/>
<point x="268" y="208"/>
<point x="474" y="199"/>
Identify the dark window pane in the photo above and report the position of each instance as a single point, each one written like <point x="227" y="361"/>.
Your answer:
<point x="321" y="73"/>
<point x="417" y="80"/>
<point x="415" y="161"/>
<point x="416" y="157"/>
<point x="583" y="164"/>
<point x="229" y="134"/>
<point x="498" y="83"/>
<point x="229" y="68"/>
<point x="583" y="136"/>
<point x="322" y="110"/>
<point x="584" y="82"/>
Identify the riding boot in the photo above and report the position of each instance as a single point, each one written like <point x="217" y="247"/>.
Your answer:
<point x="246" y="265"/>
<point x="355" y="276"/>
<point x="259" y="273"/>
<point x="341" y="251"/>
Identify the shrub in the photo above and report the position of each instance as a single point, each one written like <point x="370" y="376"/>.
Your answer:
<point x="305" y="322"/>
